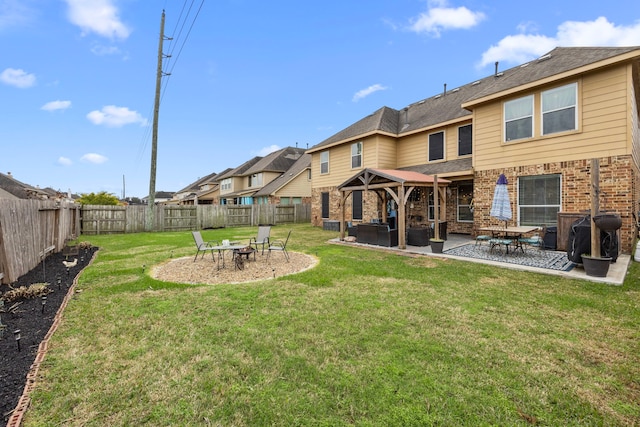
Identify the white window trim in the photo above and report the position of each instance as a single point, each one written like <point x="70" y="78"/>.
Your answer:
<point x="561" y="177"/>
<point x="575" y="112"/>
<point x="356" y="145"/>
<point x="327" y="162"/>
<point x="504" y="120"/>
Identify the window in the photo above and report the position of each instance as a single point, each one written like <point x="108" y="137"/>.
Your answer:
<point x="308" y="174"/>
<point x="285" y="200"/>
<point x="296" y="200"/>
<point x="465" y="196"/>
<point x="356" y="155"/>
<point x="431" y="208"/>
<point x="518" y="118"/>
<point x="559" y="109"/>
<point x="539" y="199"/>
<point x="324" y="205"/>
<point x="464" y="140"/>
<point x="356" y="210"/>
<point x="436" y="146"/>
<point x="255" y="180"/>
<point x="324" y="162"/>
<point x="225" y="184"/>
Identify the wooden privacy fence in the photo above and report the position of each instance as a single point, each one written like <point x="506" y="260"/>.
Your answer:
<point x="133" y="219"/>
<point x="32" y="229"/>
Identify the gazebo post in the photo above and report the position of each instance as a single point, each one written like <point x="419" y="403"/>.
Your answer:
<point x="343" y="199"/>
<point x="402" y="223"/>
<point x="436" y="208"/>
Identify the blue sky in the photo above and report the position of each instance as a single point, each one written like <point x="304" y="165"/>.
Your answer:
<point x="77" y="77"/>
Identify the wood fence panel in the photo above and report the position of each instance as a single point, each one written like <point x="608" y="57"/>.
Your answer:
<point x="133" y="219"/>
<point x="180" y="218"/>
<point x="104" y="219"/>
<point x="32" y="229"/>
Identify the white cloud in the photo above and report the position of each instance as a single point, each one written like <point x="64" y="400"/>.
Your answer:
<point x="101" y="50"/>
<point x="97" y="16"/>
<point x="56" y="105"/>
<point x="524" y="47"/>
<point x="15" y="13"/>
<point x="94" y="158"/>
<point x="64" y="161"/>
<point x="18" y="78"/>
<point x="268" y="150"/>
<point x="368" y="91"/>
<point x="113" y="116"/>
<point x="439" y="17"/>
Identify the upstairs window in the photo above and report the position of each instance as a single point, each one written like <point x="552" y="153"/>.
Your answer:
<point x="226" y="184"/>
<point x="436" y="146"/>
<point x="464" y="140"/>
<point x="518" y="118"/>
<point x="559" y="109"/>
<point x="324" y="162"/>
<point x="356" y="155"/>
<point x="255" y="180"/>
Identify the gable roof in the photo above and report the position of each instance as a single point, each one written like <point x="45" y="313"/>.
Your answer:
<point x="370" y="177"/>
<point x="454" y="104"/>
<point x="240" y="170"/>
<point x="569" y="60"/>
<point x="18" y="189"/>
<point x="277" y="161"/>
<point x="195" y="186"/>
<point x="302" y="164"/>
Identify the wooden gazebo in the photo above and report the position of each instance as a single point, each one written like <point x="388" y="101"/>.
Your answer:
<point x="395" y="183"/>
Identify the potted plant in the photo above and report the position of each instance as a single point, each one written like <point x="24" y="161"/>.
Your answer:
<point x="436" y="245"/>
<point x="596" y="266"/>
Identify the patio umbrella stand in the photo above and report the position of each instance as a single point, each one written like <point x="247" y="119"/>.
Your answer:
<point x="501" y="205"/>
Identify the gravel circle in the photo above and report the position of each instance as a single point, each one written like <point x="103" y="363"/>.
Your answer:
<point x="204" y="270"/>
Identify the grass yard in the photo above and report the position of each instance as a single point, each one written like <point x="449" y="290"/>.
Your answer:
<point x="365" y="338"/>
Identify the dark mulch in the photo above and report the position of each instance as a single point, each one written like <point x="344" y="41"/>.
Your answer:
<point x="33" y="323"/>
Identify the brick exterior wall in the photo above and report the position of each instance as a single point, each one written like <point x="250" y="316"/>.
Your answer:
<point x="618" y="186"/>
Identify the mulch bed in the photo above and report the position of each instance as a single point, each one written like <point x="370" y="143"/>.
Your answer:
<point x="34" y="322"/>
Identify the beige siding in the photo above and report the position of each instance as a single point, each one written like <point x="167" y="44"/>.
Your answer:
<point x="300" y="186"/>
<point x="376" y="153"/>
<point x="602" y="127"/>
<point x="414" y="149"/>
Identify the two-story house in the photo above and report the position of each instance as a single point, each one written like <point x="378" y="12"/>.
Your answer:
<point x="239" y="186"/>
<point x="540" y="124"/>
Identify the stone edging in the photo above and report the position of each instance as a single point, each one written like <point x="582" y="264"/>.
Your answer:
<point x="25" y="400"/>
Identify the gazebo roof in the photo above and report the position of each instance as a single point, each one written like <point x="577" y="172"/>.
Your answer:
<point x="376" y="178"/>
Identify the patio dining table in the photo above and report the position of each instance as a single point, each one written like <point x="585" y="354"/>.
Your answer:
<point x="222" y="248"/>
<point x="508" y="235"/>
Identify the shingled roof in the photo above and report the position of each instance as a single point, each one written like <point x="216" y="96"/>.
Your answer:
<point x="19" y="190"/>
<point x="455" y="103"/>
<point x="303" y="163"/>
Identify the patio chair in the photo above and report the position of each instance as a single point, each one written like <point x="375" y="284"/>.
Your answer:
<point x="279" y="245"/>
<point x="203" y="246"/>
<point x="262" y="238"/>
<point x="535" y="241"/>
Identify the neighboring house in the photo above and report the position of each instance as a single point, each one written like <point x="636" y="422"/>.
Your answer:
<point x="239" y="186"/>
<point x="290" y="188"/>
<point x="539" y="123"/>
<point x="11" y="188"/>
<point x="161" y="197"/>
<point x="188" y="195"/>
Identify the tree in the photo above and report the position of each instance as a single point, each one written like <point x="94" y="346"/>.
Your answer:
<point x="101" y="198"/>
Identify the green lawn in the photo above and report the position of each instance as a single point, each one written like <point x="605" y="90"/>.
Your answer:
<point x="365" y="338"/>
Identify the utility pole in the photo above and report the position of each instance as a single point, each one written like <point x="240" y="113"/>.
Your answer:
<point x="154" y="138"/>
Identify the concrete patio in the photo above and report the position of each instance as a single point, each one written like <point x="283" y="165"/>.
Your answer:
<point x="615" y="276"/>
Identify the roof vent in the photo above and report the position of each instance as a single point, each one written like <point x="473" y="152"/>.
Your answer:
<point x="544" y="57"/>
<point x="437" y="96"/>
<point x="477" y="82"/>
<point x="524" y="65"/>
<point x="455" y="90"/>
